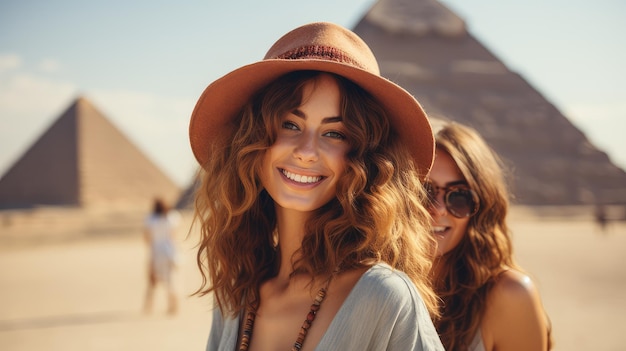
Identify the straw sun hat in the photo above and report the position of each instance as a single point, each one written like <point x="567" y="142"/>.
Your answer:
<point x="317" y="46"/>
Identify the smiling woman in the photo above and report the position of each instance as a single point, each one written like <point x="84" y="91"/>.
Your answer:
<point x="311" y="203"/>
<point x="489" y="303"/>
<point x="301" y="169"/>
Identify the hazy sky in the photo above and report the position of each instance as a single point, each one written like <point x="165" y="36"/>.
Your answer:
<point x="145" y="63"/>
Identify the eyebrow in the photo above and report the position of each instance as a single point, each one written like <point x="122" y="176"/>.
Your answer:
<point x="333" y="119"/>
<point x="456" y="182"/>
<point x="450" y="184"/>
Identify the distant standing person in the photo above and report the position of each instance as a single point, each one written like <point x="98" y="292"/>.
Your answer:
<point x="601" y="218"/>
<point x="159" y="230"/>
<point x="488" y="302"/>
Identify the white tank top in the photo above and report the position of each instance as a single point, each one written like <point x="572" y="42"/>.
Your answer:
<point x="477" y="342"/>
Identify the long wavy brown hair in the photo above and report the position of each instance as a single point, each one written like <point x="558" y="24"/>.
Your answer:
<point x="378" y="214"/>
<point x="469" y="271"/>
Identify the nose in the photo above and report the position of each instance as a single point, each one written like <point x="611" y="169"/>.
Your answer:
<point x="306" y="150"/>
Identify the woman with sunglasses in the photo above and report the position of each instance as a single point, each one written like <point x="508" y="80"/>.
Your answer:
<point x="489" y="303"/>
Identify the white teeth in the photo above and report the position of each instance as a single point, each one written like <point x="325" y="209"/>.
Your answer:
<point x="301" y="178"/>
<point x="438" y="229"/>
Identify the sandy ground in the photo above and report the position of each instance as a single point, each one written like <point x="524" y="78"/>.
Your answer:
<point x="82" y="288"/>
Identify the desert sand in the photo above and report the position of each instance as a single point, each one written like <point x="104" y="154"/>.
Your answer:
<point x="71" y="281"/>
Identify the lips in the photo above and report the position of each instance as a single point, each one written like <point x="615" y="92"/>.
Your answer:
<point x="300" y="178"/>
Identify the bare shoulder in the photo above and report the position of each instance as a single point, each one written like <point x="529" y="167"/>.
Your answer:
<point x="514" y="286"/>
<point x="514" y="295"/>
<point x="515" y="318"/>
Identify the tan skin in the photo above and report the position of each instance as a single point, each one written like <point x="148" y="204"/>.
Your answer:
<point x="286" y="302"/>
<point x="514" y="319"/>
<point x="309" y="144"/>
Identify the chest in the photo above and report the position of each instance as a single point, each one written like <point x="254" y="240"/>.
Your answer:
<point x="287" y="316"/>
<point x="281" y="323"/>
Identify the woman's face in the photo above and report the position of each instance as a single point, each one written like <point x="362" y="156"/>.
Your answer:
<point x="448" y="229"/>
<point x="301" y="169"/>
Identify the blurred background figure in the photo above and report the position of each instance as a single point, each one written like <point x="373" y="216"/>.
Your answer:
<point x="159" y="230"/>
<point x="601" y="217"/>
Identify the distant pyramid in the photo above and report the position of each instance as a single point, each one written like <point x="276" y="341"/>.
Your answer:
<point x="187" y="198"/>
<point x="83" y="160"/>
<point x="425" y="47"/>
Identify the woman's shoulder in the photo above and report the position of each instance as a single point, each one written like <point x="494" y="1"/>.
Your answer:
<point x="381" y="280"/>
<point x="385" y="275"/>
<point x="513" y="286"/>
<point x="173" y="216"/>
<point x="514" y="313"/>
<point x="389" y="301"/>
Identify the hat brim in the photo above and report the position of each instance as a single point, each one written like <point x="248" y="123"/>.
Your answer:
<point x="223" y="99"/>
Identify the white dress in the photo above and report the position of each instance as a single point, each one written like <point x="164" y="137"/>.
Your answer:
<point x="163" y="256"/>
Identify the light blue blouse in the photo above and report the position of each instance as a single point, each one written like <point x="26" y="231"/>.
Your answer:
<point x="384" y="311"/>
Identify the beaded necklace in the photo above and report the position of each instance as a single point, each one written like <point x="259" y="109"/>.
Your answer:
<point x="251" y="314"/>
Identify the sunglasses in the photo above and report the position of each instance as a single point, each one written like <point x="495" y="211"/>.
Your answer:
<point x="460" y="202"/>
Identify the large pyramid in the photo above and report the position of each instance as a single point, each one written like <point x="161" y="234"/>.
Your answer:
<point x="426" y="48"/>
<point x="83" y="160"/>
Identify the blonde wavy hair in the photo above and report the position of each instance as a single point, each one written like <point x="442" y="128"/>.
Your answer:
<point x="378" y="214"/>
<point x="470" y="270"/>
